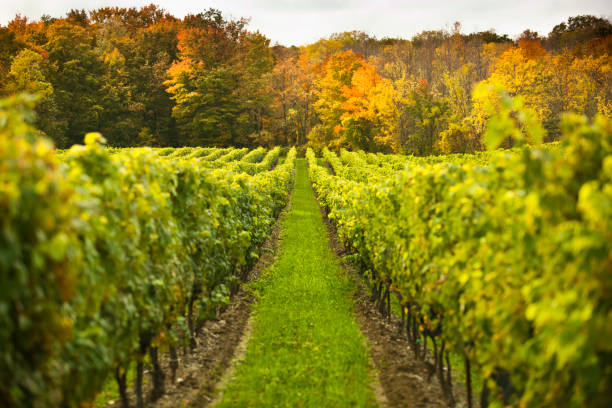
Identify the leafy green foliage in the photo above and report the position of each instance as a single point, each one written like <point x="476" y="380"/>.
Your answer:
<point x="39" y="260"/>
<point x="103" y="252"/>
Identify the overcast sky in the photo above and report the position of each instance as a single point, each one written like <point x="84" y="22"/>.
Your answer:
<point x="298" y="22"/>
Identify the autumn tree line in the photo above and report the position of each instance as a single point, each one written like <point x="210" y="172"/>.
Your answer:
<point x="141" y="76"/>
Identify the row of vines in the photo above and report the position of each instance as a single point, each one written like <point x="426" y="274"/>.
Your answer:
<point x="504" y="258"/>
<point x="108" y="255"/>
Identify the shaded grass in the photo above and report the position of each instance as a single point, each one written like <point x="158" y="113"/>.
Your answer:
<point x="306" y="349"/>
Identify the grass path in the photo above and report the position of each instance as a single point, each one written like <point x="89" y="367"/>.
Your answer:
<point x="306" y="349"/>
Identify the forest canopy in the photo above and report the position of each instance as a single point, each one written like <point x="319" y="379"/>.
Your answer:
<point x="141" y="76"/>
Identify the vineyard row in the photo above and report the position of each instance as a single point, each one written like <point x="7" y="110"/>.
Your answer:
<point x="503" y="258"/>
<point x="107" y="256"/>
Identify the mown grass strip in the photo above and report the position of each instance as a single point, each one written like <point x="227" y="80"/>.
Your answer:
<point x="306" y="349"/>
